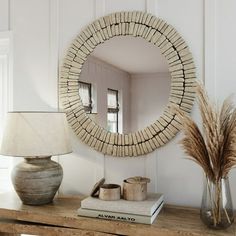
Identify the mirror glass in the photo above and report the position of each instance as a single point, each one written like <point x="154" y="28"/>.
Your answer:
<point x="125" y="84"/>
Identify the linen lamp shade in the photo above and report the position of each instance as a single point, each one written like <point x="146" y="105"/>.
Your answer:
<point x="35" y="134"/>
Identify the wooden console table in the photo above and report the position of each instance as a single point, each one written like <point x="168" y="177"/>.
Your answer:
<point x="60" y="218"/>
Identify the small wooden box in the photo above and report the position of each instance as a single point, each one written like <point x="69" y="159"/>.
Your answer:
<point x="135" y="188"/>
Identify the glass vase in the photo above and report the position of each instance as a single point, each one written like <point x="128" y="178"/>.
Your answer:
<point x="217" y="208"/>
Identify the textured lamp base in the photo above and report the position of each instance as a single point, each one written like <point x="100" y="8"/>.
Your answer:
<point x="36" y="180"/>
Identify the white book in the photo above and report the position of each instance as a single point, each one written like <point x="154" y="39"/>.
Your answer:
<point x="132" y="218"/>
<point x="146" y="207"/>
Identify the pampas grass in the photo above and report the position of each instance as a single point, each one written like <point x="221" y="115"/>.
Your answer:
<point x="213" y="148"/>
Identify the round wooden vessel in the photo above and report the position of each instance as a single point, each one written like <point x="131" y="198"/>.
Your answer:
<point x="135" y="188"/>
<point x="110" y="192"/>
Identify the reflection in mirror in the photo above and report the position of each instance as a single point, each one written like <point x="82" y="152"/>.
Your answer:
<point x="129" y="84"/>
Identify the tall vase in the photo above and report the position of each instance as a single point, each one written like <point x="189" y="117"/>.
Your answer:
<point x="217" y="207"/>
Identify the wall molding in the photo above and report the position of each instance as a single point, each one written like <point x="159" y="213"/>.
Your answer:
<point x="152" y="163"/>
<point x="53" y="54"/>
<point x="9" y="14"/>
<point x="6" y="94"/>
<point x="99" y="8"/>
<point x="99" y="11"/>
<point x="209" y="31"/>
<point x="151" y="6"/>
<point x="54" y="44"/>
<point x="7" y="43"/>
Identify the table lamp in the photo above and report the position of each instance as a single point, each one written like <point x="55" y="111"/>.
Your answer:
<point x="36" y="136"/>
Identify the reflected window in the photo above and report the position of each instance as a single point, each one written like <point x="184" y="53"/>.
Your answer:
<point x="85" y="92"/>
<point x="112" y="110"/>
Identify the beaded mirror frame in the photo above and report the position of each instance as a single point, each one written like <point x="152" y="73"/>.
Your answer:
<point x="181" y="67"/>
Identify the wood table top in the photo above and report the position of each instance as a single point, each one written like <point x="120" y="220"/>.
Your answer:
<point x="63" y="213"/>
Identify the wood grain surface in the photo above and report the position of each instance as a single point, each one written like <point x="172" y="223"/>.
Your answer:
<point x="16" y="228"/>
<point x="62" y="212"/>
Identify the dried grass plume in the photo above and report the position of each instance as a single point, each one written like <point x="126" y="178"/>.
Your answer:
<point x="213" y="148"/>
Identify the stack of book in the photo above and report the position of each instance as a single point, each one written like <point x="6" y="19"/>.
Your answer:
<point x="143" y="212"/>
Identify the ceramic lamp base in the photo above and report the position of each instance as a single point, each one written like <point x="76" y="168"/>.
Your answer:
<point x="36" y="180"/>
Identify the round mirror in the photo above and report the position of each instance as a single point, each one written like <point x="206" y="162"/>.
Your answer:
<point x="118" y="80"/>
<point x="125" y="82"/>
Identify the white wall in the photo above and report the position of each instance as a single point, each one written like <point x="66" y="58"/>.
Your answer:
<point x="149" y="96"/>
<point x="103" y="76"/>
<point x="43" y="30"/>
<point x="33" y="81"/>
